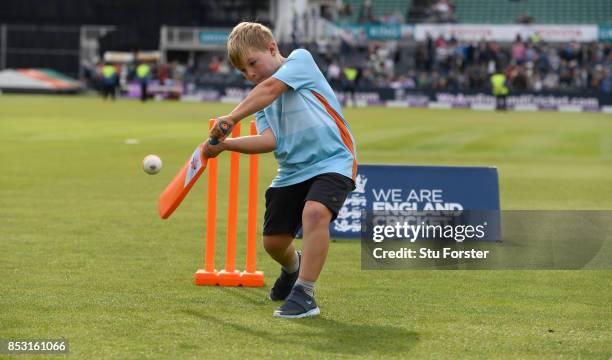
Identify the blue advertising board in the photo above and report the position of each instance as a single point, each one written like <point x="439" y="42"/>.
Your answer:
<point x="214" y="37"/>
<point x="380" y="31"/>
<point x="605" y="33"/>
<point x="419" y="188"/>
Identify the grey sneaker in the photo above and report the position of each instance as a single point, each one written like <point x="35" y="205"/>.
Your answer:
<point x="283" y="285"/>
<point x="298" y="305"/>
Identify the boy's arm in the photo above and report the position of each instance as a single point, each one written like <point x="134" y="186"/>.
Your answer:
<point x="253" y="144"/>
<point x="261" y="96"/>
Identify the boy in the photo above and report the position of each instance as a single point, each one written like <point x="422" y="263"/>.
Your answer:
<point x="299" y="118"/>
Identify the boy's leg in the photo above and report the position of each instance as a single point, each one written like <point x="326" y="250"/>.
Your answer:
<point x="282" y="220"/>
<point x="325" y="198"/>
<point x="280" y="248"/>
<point x="315" y="223"/>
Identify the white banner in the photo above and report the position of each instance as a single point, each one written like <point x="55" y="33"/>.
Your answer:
<point x="507" y="33"/>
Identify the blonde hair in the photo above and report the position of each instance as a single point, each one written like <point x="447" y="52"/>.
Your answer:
<point x="244" y="37"/>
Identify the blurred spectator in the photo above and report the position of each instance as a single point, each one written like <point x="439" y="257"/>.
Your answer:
<point x="224" y="68"/>
<point x="524" y="18"/>
<point x="519" y="79"/>
<point x="350" y="83"/>
<point x="606" y="82"/>
<point x="162" y="73"/>
<point x="143" y="73"/>
<point x="518" y="50"/>
<point x="551" y="81"/>
<point x="177" y="71"/>
<point x="345" y="10"/>
<point x="366" y="14"/>
<point x="531" y="54"/>
<point x="441" y="11"/>
<point x="500" y="90"/>
<point x="404" y="82"/>
<point x="110" y="80"/>
<point x="214" y="65"/>
<point x="327" y="13"/>
<point x="334" y="74"/>
<point x="535" y="37"/>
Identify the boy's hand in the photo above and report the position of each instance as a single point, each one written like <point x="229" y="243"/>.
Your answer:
<point x="212" y="151"/>
<point x="223" y="126"/>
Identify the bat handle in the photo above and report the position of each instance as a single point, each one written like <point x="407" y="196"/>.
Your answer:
<point x="224" y="126"/>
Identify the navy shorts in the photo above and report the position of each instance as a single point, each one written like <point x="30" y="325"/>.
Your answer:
<point x="284" y="205"/>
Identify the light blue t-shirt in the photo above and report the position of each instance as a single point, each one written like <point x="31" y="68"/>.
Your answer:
<point x="311" y="134"/>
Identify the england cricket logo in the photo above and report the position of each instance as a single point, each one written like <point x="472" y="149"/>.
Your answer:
<point x="349" y="216"/>
<point x="194" y="166"/>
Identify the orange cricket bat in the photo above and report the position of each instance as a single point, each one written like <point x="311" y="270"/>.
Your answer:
<point x="179" y="187"/>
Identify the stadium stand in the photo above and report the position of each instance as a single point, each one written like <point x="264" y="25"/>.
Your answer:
<point x="405" y="63"/>
<point x="47" y="33"/>
<point x="541" y="11"/>
<point x="380" y="10"/>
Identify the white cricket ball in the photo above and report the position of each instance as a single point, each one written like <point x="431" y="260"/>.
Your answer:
<point x="151" y="164"/>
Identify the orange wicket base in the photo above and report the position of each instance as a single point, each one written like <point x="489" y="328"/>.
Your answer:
<point x="203" y="277"/>
<point x="229" y="278"/>
<point x="252" y="279"/>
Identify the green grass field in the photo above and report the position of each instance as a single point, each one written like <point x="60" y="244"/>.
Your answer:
<point x="86" y="258"/>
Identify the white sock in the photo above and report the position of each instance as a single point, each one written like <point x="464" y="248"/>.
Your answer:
<point x="293" y="267"/>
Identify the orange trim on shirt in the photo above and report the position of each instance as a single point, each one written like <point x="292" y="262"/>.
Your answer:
<point x="344" y="132"/>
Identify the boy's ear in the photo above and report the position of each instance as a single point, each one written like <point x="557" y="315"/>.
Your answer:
<point x="273" y="48"/>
